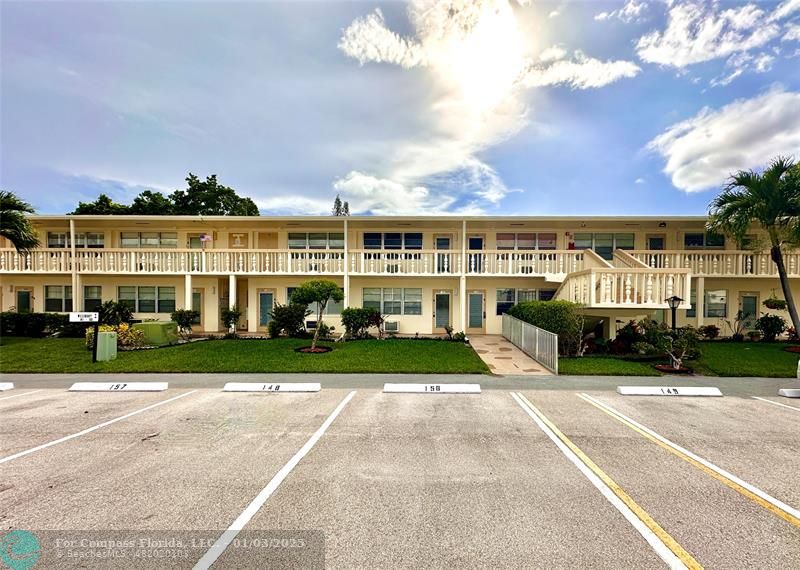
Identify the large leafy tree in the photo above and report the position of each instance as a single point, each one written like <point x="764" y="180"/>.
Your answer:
<point x="103" y="206"/>
<point x="770" y="199"/>
<point x="210" y="198"/>
<point x="150" y="203"/>
<point x="321" y="292"/>
<point x="14" y="225"/>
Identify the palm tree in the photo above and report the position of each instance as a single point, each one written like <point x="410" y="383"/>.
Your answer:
<point x="772" y="200"/>
<point x="14" y="225"/>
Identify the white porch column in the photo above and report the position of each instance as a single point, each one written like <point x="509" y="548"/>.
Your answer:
<point x="700" y="300"/>
<point x="231" y="291"/>
<point x="74" y="268"/>
<point x="346" y="284"/>
<point x="187" y="292"/>
<point x="77" y="293"/>
<point x="462" y="302"/>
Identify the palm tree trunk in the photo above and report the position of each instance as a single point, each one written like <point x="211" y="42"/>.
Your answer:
<point x="777" y="257"/>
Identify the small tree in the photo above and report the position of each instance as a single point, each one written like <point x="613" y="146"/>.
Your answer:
<point x="185" y="319"/>
<point x="14" y="225"/>
<point x="115" y="313"/>
<point x="321" y="292"/>
<point x="230" y="317"/>
<point x="679" y="345"/>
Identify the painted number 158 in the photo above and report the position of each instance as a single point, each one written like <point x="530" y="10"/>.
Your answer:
<point x="433" y="388"/>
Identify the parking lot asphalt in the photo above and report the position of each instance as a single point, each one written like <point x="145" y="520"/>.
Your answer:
<point x="370" y="479"/>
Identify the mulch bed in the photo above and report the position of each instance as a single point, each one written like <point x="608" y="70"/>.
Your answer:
<point x="667" y="369"/>
<point x="318" y="350"/>
<point x="795" y="349"/>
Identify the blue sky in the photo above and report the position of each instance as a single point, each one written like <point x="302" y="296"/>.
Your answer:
<point x="487" y="106"/>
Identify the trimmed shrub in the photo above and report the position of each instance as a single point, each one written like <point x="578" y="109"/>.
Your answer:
<point x="115" y="313"/>
<point x="771" y="326"/>
<point x="37" y="325"/>
<point x="127" y="337"/>
<point x="559" y="317"/>
<point x="185" y="319"/>
<point x="709" y="331"/>
<point x="288" y="319"/>
<point x="356" y="321"/>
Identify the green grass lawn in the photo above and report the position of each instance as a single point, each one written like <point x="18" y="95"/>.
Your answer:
<point x="412" y="356"/>
<point x="746" y="359"/>
<point x="604" y="366"/>
<point x="718" y="359"/>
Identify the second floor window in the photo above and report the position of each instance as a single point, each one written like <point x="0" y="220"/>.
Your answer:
<point x="92" y="240"/>
<point x="392" y="240"/>
<point x="148" y="240"/>
<point x="703" y="241"/>
<point x="526" y="241"/>
<point x="604" y="244"/>
<point x="315" y="240"/>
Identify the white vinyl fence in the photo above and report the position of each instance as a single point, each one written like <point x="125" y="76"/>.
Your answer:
<point x="539" y="344"/>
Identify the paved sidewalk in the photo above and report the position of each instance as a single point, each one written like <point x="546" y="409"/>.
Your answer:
<point x="502" y="357"/>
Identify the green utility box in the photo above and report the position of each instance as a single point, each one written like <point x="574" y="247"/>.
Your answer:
<point x="106" y="346"/>
<point x="158" y="333"/>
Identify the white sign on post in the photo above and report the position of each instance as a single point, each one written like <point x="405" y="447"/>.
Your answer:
<point x="272" y="387"/>
<point x="668" y="391"/>
<point x="432" y="388"/>
<point x="84" y="317"/>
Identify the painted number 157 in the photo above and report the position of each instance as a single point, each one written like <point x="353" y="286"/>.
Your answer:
<point x="117" y="386"/>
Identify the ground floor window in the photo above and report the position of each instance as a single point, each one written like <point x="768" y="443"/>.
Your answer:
<point x="393" y="301"/>
<point x="715" y="304"/>
<point x="58" y="298"/>
<point x="92" y="298"/>
<point x="147" y="299"/>
<point x="332" y="308"/>
<point x="507" y="298"/>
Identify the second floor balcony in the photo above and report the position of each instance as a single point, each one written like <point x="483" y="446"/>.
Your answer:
<point x="723" y="263"/>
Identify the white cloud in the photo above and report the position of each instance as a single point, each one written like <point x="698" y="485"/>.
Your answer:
<point x="632" y="11"/>
<point x="368" y="39"/>
<point x="639" y="181"/>
<point x="294" y="205"/>
<point x="785" y="9"/>
<point x="581" y="72"/>
<point x="739" y="63"/>
<point x="704" y="150"/>
<point x="554" y="14"/>
<point x="478" y="63"/>
<point x="382" y="197"/>
<point x="792" y="33"/>
<point x="699" y="32"/>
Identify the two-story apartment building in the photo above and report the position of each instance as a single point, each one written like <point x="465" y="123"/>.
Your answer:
<point x="422" y="272"/>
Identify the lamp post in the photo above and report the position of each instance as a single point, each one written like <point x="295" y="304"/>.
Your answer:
<point x="673" y="303"/>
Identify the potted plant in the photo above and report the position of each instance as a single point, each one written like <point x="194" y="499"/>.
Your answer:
<point x="737" y="327"/>
<point x="775" y="304"/>
<point x="754" y="336"/>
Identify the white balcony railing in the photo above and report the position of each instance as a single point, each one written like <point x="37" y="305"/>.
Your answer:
<point x="720" y="263"/>
<point x="36" y="261"/>
<point x="622" y="288"/>
<point x="524" y="263"/>
<point x="405" y="262"/>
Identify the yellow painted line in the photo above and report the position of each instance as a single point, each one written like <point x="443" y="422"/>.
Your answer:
<point x="682" y="554"/>
<point x="717" y="473"/>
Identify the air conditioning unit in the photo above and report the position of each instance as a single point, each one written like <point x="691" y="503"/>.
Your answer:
<point x="391" y="326"/>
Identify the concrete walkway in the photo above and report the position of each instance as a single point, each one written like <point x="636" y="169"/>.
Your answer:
<point x="502" y="357"/>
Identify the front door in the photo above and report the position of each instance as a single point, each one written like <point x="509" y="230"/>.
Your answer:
<point x="656" y="243"/>
<point x="475" y="244"/>
<point x="749" y="304"/>
<point x="197" y="305"/>
<point x="441" y="313"/>
<point x="475" y="311"/>
<point x="265" y="299"/>
<point x="24" y="300"/>
<point x="443" y="260"/>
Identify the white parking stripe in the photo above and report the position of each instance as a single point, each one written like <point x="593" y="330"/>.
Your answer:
<point x="18" y="395"/>
<point x="91" y="429"/>
<point x="229" y="535"/>
<point x="652" y="539"/>
<point x="777" y="404"/>
<point x="718" y="470"/>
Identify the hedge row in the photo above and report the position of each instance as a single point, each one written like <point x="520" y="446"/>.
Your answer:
<point x="559" y="317"/>
<point x="39" y="324"/>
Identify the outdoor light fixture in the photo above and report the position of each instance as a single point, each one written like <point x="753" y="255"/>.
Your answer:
<point x="662" y="224"/>
<point x="673" y="303"/>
